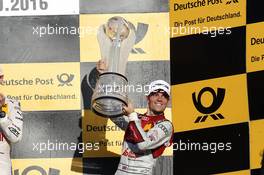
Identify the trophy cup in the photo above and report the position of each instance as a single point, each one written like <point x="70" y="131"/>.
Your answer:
<point x="116" y="39"/>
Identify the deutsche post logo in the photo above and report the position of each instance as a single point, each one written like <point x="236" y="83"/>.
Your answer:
<point x="209" y="111"/>
<point x="38" y="169"/>
<point x="141" y="32"/>
<point x="232" y="1"/>
<point x="65" y="79"/>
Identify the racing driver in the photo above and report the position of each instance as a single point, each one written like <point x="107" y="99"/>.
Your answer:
<point x="146" y="135"/>
<point x="11" y="123"/>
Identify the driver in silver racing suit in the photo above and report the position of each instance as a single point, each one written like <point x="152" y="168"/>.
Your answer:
<point x="147" y="135"/>
<point x="11" y="123"/>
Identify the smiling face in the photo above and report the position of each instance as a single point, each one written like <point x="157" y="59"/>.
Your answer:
<point x="157" y="102"/>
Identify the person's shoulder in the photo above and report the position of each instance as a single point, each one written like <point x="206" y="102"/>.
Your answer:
<point x="165" y="124"/>
<point x="164" y="121"/>
<point x="12" y="102"/>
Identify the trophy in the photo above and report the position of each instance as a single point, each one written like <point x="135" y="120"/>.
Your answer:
<point x="116" y="39"/>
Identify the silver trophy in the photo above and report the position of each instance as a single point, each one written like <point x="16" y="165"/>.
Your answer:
<point x="116" y="39"/>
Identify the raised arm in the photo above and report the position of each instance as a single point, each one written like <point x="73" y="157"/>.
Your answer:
<point x="12" y="123"/>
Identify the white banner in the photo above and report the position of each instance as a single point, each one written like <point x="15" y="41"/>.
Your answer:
<point x="38" y="7"/>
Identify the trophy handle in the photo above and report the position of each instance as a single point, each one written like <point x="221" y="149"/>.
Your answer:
<point x="116" y="52"/>
<point x="105" y="43"/>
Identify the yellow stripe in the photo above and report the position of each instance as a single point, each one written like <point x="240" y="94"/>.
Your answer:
<point x="5" y="108"/>
<point x="153" y="46"/>
<point x="114" y="138"/>
<point x="190" y="21"/>
<point x="183" y="104"/>
<point x="244" y="172"/>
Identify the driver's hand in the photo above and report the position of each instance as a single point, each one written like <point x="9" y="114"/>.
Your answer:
<point x="101" y="66"/>
<point x="129" y="108"/>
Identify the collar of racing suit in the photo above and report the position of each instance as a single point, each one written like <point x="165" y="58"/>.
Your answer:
<point x="148" y="121"/>
<point x="132" y="134"/>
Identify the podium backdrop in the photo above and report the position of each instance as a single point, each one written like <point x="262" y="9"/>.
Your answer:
<point x="211" y="51"/>
<point x="216" y="77"/>
<point x="48" y="51"/>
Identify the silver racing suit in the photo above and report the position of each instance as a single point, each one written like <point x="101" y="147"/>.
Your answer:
<point x="10" y="132"/>
<point x="145" y="139"/>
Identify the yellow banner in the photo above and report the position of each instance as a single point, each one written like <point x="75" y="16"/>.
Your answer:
<point x="255" y="47"/>
<point x="105" y="136"/>
<point x="244" y="172"/>
<point x="43" y="86"/>
<point x="189" y="17"/>
<point x="53" y="166"/>
<point x="210" y="103"/>
<point x="152" y="36"/>
<point x="256" y="143"/>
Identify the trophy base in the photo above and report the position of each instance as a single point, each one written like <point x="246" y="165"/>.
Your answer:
<point x="110" y="95"/>
<point x="108" y="107"/>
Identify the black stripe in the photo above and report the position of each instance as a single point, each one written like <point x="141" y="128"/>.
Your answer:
<point x="258" y="171"/>
<point x="255" y="94"/>
<point x="19" y="119"/>
<point x="255" y="11"/>
<point x="200" y="57"/>
<point x="192" y="160"/>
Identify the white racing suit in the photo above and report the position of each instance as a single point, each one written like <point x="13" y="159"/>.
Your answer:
<point x="146" y="137"/>
<point x="10" y="132"/>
